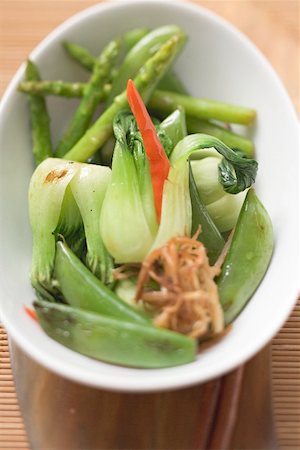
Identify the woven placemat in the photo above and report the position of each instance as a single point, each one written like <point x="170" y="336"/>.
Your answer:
<point x="12" y="432"/>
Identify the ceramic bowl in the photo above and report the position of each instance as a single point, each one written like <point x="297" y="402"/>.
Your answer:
<point x="218" y="62"/>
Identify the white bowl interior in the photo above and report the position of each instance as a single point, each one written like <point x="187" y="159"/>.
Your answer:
<point x="218" y="62"/>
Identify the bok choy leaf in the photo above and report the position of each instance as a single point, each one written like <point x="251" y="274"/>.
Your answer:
<point x="236" y="172"/>
<point x="63" y="201"/>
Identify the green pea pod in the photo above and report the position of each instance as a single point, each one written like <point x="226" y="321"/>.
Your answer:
<point x="83" y="290"/>
<point x="132" y="37"/>
<point x="112" y="340"/>
<point x="248" y="257"/>
<point x="139" y="54"/>
<point x="210" y="235"/>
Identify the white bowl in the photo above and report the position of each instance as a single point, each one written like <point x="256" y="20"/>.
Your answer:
<point x="218" y="62"/>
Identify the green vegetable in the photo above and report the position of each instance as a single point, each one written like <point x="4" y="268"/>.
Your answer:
<point x="40" y="122"/>
<point x="132" y="37"/>
<point x="170" y="82"/>
<point x="229" y="138"/>
<point x="210" y="236"/>
<point x="83" y="290"/>
<point x="93" y="93"/>
<point x="88" y="188"/>
<point x="140" y="53"/>
<point x="236" y="173"/>
<point x="80" y="54"/>
<point x="145" y="81"/>
<point x="176" y="214"/>
<point x="174" y="126"/>
<point x="129" y="197"/>
<point x="88" y="61"/>
<point x="60" y="199"/>
<point x="248" y="257"/>
<point x="112" y="340"/>
<point x="222" y="207"/>
<point x="201" y="108"/>
<point x="225" y="211"/>
<point x="46" y="194"/>
<point x="60" y="88"/>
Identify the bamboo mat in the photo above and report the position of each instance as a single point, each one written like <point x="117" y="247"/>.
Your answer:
<point x="23" y="23"/>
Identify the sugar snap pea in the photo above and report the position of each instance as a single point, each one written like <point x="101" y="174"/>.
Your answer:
<point x="248" y="257"/>
<point x="114" y="341"/>
<point x="40" y="121"/>
<point x="84" y="290"/>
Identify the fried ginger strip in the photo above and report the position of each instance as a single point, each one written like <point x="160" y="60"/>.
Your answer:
<point x="187" y="298"/>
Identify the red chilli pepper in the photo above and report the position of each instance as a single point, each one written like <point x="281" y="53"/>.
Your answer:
<point x="31" y="313"/>
<point x="158" y="160"/>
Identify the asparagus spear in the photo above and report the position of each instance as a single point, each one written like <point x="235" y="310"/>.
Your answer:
<point x="81" y="55"/>
<point x="112" y="340"/>
<point x="145" y="81"/>
<point x="229" y="138"/>
<point x="194" y="125"/>
<point x="40" y="121"/>
<point x="201" y="108"/>
<point x="139" y="54"/>
<point x="88" y="60"/>
<point x="92" y="95"/>
<point x="58" y="87"/>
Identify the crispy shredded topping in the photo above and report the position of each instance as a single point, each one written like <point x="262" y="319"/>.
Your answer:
<point x="184" y="296"/>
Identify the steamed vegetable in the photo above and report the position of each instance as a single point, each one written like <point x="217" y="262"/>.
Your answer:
<point x="122" y="249"/>
<point x="201" y="108"/>
<point x="223" y="208"/>
<point x="114" y="341"/>
<point x="248" y="257"/>
<point x="61" y="201"/>
<point x="209" y="233"/>
<point x="146" y="81"/>
<point x="129" y="198"/>
<point x="40" y="122"/>
<point x="236" y="173"/>
<point x="88" y="61"/>
<point x="140" y="53"/>
<point x="83" y="290"/>
<point x="174" y="126"/>
<point x="92" y="95"/>
<point x="158" y="160"/>
<point x="229" y="138"/>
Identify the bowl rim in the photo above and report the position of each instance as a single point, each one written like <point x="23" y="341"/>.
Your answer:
<point x="189" y="377"/>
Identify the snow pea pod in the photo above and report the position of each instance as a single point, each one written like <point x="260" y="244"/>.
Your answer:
<point x="83" y="290"/>
<point x="114" y="341"/>
<point x="248" y="257"/>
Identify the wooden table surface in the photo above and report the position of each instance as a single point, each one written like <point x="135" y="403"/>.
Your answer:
<point x="274" y="27"/>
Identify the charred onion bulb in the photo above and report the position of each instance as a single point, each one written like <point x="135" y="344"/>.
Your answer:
<point x="185" y="298"/>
